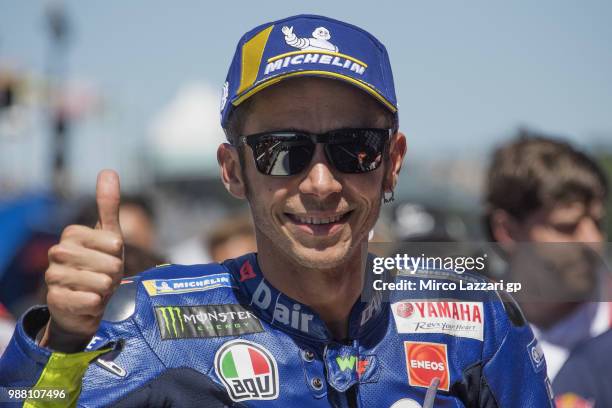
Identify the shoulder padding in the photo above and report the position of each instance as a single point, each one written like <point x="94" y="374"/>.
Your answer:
<point x="122" y="304"/>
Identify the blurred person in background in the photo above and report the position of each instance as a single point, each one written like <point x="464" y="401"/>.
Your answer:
<point x="7" y="325"/>
<point x="425" y="230"/>
<point x="139" y="234"/>
<point x="22" y="284"/>
<point x="136" y="213"/>
<point x="585" y="381"/>
<point x="544" y="191"/>
<point x="414" y="222"/>
<point x="231" y="237"/>
<point x="29" y="226"/>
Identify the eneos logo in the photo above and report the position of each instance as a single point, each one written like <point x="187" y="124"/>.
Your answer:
<point x="248" y="371"/>
<point x="426" y="361"/>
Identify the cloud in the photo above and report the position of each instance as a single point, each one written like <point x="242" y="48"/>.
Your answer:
<point x="185" y="134"/>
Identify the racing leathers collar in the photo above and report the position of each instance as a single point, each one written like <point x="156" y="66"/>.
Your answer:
<point x="294" y="317"/>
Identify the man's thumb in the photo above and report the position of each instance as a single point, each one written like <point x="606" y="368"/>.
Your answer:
<point x="108" y="198"/>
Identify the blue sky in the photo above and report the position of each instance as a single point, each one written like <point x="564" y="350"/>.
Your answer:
<point x="467" y="73"/>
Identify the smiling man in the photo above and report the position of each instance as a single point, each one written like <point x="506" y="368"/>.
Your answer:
<point x="310" y="113"/>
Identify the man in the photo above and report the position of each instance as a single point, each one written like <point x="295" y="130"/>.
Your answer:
<point x="584" y="381"/>
<point x="138" y="231"/>
<point x="231" y="237"/>
<point x="545" y="208"/>
<point x="314" y="147"/>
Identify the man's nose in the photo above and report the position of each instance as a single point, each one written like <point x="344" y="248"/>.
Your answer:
<point x="589" y="232"/>
<point x="320" y="179"/>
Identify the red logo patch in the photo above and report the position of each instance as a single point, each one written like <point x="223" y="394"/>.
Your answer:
<point x="362" y="365"/>
<point x="246" y="272"/>
<point x="426" y="361"/>
<point x="405" y="309"/>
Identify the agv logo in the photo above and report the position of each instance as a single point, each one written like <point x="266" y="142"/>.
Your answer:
<point x="248" y="371"/>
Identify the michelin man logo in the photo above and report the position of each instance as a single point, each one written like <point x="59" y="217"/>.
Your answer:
<point x="164" y="287"/>
<point x="315" y="50"/>
<point x="318" y="42"/>
<point x="224" y="94"/>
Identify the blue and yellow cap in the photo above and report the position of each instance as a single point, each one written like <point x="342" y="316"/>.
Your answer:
<point x="307" y="45"/>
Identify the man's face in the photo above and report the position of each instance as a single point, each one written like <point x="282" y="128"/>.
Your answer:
<point x="569" y="243"/>
<point x="558" y="254"/>
<point x="137" y="227"/>
<point x="569" y="222"/>
<point x="319" y="216"/>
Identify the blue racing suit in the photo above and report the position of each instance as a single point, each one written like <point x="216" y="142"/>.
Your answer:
<point x="220" y="335"/>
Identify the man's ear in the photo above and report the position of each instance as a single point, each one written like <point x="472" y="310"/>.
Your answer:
<point x="397" y="151"/>
<point x="504" y="229"/>
<point x="231" y="172"/>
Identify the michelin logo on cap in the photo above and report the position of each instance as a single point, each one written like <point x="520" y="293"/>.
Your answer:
<point x="307" y="45"/>
<point x="322" y="52"/>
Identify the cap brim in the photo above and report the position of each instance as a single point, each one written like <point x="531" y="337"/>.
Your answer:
<point x="334" y="75"/>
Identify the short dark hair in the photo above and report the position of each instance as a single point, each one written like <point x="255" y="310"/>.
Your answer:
<point x="87" y="212"/>
<point x="235" y="122"/>
<point x="535" y="171"/>
<point x="233" y="225"/>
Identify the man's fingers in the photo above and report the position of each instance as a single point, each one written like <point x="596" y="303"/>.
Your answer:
<point x="99" y="284"/>
<point x="85" y="268"/>
<point x="108" y="198"/>
<point x="104" y="241"/>
<point x="82" y="258"/>
<point x="67" y="302"/>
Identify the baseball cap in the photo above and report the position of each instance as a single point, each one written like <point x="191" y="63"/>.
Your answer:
<point x="307" y="45"/>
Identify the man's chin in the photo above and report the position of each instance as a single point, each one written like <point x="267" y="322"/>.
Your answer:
<point x="320" y="258"/>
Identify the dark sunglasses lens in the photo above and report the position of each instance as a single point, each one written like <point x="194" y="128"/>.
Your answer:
<point x="359" y="151"/>
<point x="281" y="156"/>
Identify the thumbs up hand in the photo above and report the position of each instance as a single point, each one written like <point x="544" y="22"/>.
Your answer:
<point x="84" y="270"/>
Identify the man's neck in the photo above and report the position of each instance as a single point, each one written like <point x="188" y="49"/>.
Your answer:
<point x="329" y="292"/>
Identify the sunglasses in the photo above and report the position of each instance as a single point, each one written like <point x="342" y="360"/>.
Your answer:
<point x="287" y="152"/>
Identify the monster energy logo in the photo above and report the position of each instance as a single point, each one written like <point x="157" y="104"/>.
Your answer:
<point x="172" y="321"/>
<point x="181" y="322"/>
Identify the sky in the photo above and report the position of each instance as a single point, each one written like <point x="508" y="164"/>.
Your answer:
<point x="467" y="73"/>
